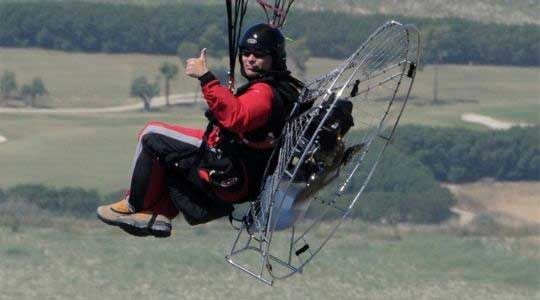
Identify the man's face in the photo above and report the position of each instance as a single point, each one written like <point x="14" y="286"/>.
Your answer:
<point x="255" y="63"/>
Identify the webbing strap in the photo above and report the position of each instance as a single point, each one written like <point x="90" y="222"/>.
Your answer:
<point x="152" y="220"/>
<point x="203" y="148"/>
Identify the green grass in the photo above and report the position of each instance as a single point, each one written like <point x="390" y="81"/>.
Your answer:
<point x="93" y="261"/>
<point x="91" y="152"/>
<point x="89" y="80"/>
<point x="508" y="93"/>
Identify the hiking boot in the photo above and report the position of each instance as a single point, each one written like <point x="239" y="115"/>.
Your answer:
<point x="138" y="224"/>
<point x="110" y="213"/>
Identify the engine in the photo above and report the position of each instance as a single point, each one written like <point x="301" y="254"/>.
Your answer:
<point x="325" y="157"/>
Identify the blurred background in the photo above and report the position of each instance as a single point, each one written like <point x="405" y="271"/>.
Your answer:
<point x="453" y="211"/>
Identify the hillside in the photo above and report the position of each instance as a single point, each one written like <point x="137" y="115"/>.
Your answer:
<point x="504" y="12"/>
<point x="488" y="11"/>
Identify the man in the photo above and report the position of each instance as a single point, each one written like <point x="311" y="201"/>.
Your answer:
<point x="202" y="173"/>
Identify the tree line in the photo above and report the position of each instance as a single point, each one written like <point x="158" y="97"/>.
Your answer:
<point x="459" y="155"/>
<point x="185" y="28"/>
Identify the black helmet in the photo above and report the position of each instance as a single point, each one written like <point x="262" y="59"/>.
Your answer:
<point x="265" y="38"/>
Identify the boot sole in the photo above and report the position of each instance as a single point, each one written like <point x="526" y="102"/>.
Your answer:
<point x="158" y="229"/>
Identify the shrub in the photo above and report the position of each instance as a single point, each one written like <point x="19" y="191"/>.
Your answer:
<point x="404" y="190"/>
<point x="460" y="155"/>
<point x="15" y="213"/>
<point x="64" y="201"/>
<point x="401" y="190"/>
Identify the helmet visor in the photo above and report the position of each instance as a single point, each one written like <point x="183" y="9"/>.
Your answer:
<point x="257" y="53"/>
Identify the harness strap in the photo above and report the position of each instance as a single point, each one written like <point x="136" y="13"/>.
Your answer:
<point x="204" y="143"/>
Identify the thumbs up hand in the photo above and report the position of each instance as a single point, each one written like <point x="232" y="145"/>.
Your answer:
<point x="196" y="67"/>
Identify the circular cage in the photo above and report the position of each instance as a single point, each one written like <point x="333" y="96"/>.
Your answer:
<point x="328" y="154"/>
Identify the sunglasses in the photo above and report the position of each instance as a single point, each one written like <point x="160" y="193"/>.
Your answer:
<point x="255" y="53"/>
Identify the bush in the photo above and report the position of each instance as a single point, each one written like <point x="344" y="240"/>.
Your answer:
<point x="484" y="224"/>
<point x="14" y="213"/>
<point x="65" y="201"/>
<point x="400" y="190"/>
<point x="31" y="203"/>
<point x="460" y="155"/>
<point x="404" y="190"/>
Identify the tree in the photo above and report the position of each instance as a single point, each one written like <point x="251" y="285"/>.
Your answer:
<point x="140" y="87"/>
<point x="169" y="71"/>
<point x="8" y="84"/>
<point x="34" y="90"/>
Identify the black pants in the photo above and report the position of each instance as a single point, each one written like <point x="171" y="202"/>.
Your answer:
<point x="169" y="165"/>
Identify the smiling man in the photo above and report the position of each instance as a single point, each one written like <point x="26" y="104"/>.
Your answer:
<point x="203" y="173"/>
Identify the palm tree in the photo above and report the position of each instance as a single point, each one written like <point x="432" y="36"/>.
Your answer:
<point x="169" y="71"/>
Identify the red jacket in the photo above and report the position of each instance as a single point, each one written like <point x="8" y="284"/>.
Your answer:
<point x="238" y="113"/>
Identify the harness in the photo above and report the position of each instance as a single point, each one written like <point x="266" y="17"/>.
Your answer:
<point x="254" y="147"/>
<point x="224" y="169"/>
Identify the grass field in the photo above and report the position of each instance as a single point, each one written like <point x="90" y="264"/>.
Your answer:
<point x="68" y="259"/>
<point x="98" y="80"/>
<point x="89" y="80"/>
<point x="92" y="261"/>
<point x="508" y="93"/>
<point x="91" y="152"/>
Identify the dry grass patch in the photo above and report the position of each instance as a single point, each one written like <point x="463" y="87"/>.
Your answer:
<point x="519" y="200"/>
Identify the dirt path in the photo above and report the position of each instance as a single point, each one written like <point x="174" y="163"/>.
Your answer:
<point x="489" y="121"/>
<point x="156" y="102"/>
